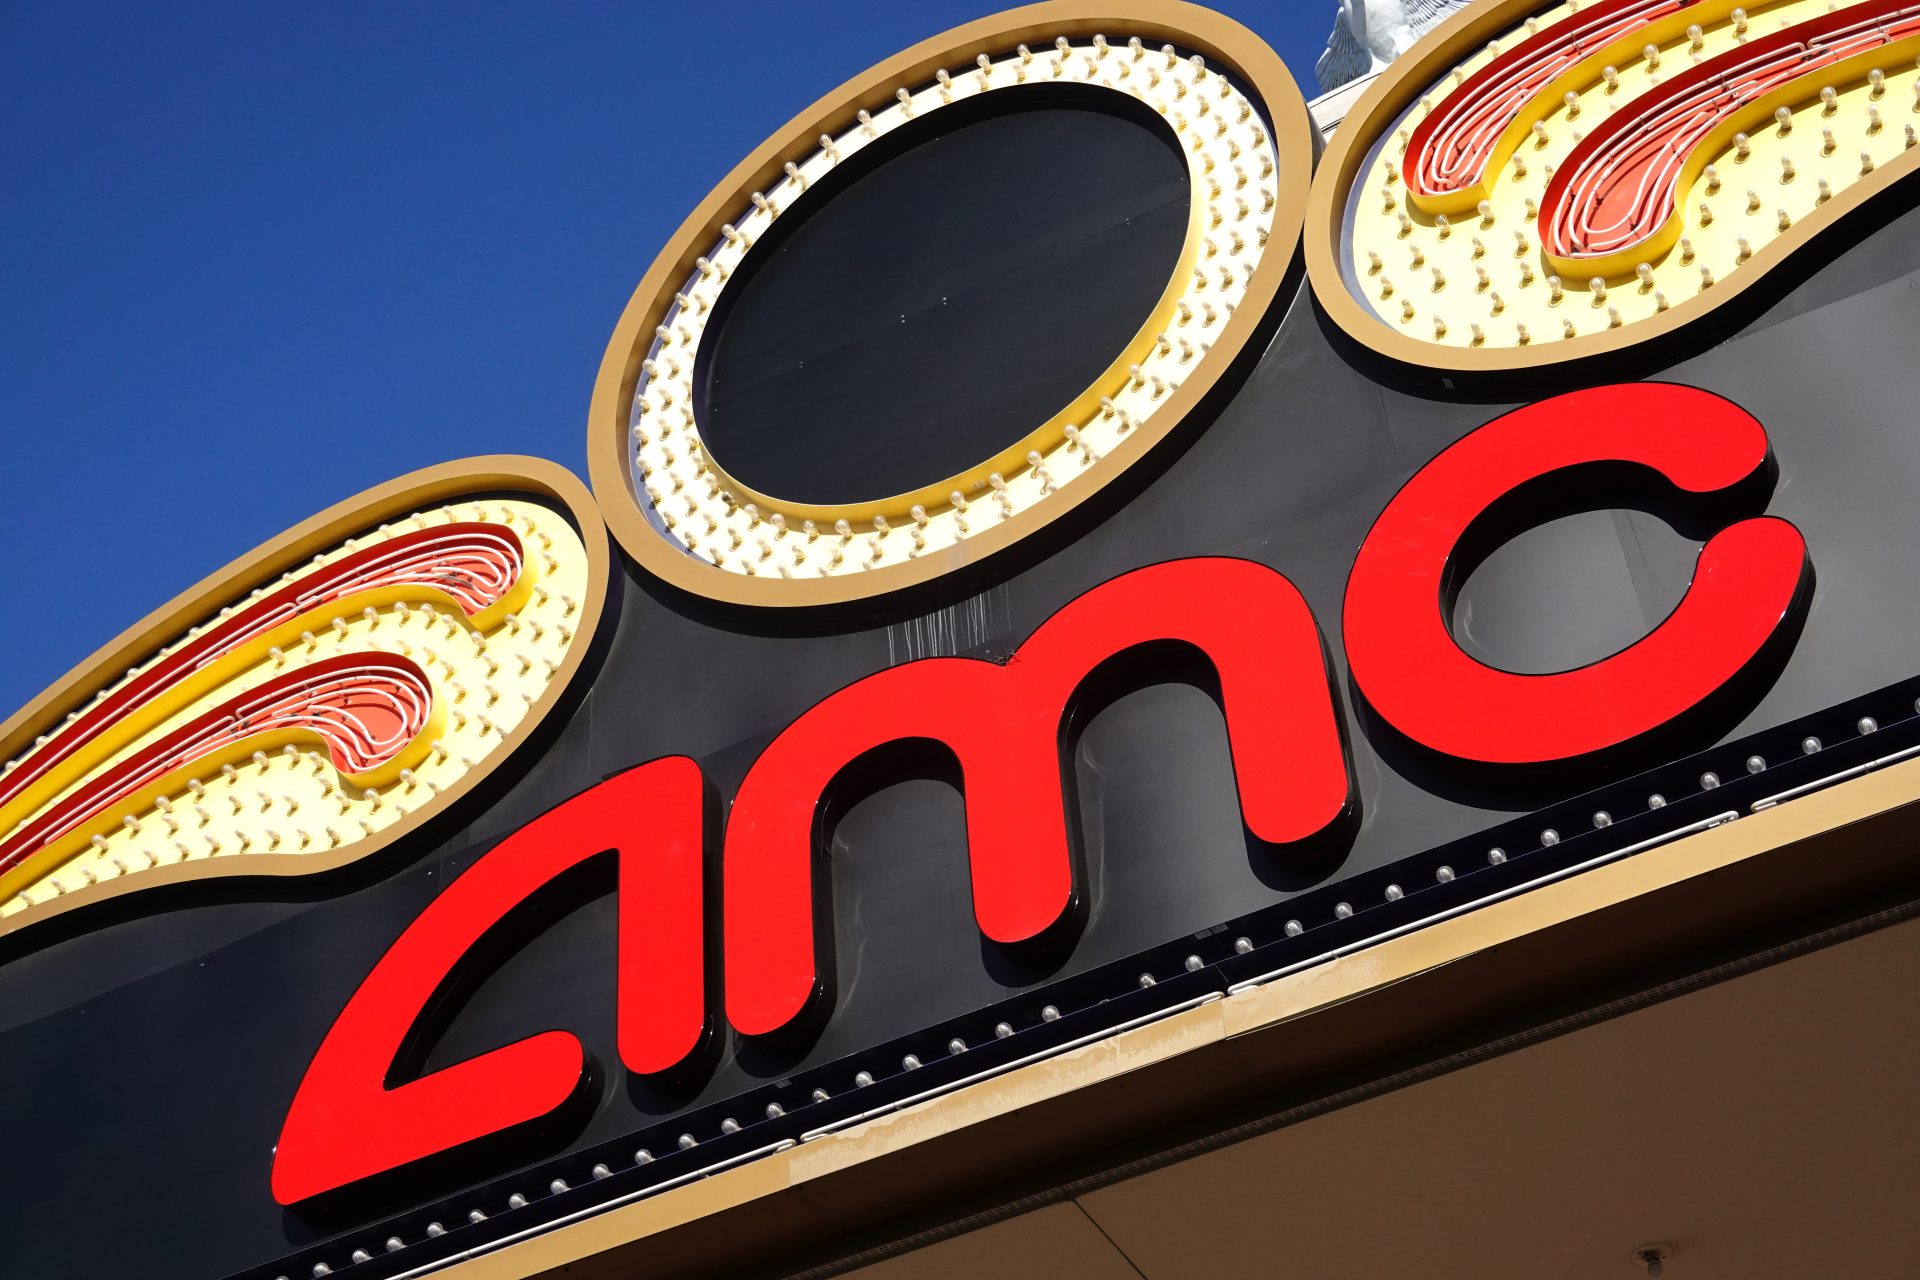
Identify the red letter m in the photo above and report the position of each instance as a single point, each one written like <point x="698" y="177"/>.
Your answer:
<point x="1004" y="726"/>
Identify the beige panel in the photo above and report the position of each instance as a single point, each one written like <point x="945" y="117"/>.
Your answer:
<point x="1762" y="1126"/>
<point x="1053" y="1243"/>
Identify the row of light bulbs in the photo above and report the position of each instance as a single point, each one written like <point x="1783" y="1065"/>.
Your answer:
<point x="1768" y="207"/>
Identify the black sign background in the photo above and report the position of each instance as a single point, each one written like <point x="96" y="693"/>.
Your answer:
<point x="147" y="1063"/>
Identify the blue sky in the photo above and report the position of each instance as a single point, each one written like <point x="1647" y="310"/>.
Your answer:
<point x="255" y="258"/>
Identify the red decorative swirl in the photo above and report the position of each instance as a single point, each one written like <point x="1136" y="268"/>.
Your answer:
<point x="366" y="707"/>
<point x="1620" y="185"/>
<point x="474" y="563"/>
<point x="1448" y="152"/>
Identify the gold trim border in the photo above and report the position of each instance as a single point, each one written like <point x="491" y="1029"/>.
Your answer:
<point x="1401" y="85"/>
<point x="414" y="491"/>
<point x="1220" y="39"/>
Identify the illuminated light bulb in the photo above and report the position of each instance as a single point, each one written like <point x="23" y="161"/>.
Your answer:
<point x="1706" y="214"/>
<point x="1742" y="148"/>
<point x="1540" y="138"/>
<point x="1446" y="227"/>
<point x="1612" y="78"/>
<point x="1866" y="163"/>
<point x="1598" y="287"/>
<point x="1645" y="273"/>
<point x="1784" y="220"/>
<point x="1485" y="209"/>
<point x="1571" y="101"/>
<point x="1659" y="300"/>
<point x="1695" y="37"/>
<point x="1000" y="492"/>
<point x="1554" y="289"/>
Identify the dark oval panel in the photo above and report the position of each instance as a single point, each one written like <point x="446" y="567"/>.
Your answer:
<point x="882" y="336"/>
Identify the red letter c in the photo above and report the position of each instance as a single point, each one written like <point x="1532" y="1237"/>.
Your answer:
<point x="1750" y="579"/>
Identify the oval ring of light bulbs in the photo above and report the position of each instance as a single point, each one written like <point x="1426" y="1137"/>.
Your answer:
<point x="1246" y="140"/>
<point x="1535" y="183"/>
<point x="318" y="699"/>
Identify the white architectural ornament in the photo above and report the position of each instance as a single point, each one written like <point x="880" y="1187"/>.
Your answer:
<point x="1368" y="34"/>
